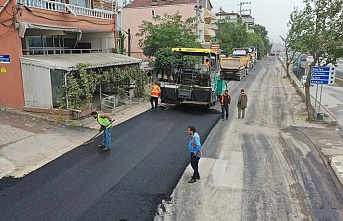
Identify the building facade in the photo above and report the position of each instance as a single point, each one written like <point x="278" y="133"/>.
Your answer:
<point x="233" y="17"/>
<point x="32" y="30"/>
<point x="144" y="10"/>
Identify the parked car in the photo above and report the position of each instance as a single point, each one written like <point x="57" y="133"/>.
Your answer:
<point x="304" y="57"/>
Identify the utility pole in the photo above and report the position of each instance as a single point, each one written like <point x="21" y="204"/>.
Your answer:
<point x="241" y="6"/>
<point x="197" y="9"/>
<point x="246" y="10"/>
<point x="129" y="42"/>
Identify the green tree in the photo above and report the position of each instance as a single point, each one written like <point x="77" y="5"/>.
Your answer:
<point x="167" y="31"/>
<point x="322" y="36"/>
<point x="121" y="42"/>
<point x="263" y="33"/>
<point x="160" y="36"/>
<point x="294" y="41"/>
<point x="231" y="35"/>
<point x="257" y="41"/>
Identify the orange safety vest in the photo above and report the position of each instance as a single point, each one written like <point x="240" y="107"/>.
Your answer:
<point x="155" y="90"/>
<point x="222" y="99"/>
<point x="207" y="63"/>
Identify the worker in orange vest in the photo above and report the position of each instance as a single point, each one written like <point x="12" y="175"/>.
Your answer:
<point x="155" y="92"/>
<point x="225" y="100"/>
<point x="207" y="63"/>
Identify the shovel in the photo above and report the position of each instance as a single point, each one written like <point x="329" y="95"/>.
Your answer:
<point x="96" y="135"/>
<point x="92" y="139"/>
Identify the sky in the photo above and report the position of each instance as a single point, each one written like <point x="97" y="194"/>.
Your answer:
<point x="272" y="14"/>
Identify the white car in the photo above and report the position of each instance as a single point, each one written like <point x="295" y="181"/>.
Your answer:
<point x="303" y="80"/>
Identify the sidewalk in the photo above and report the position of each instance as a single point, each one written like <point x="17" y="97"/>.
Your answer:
<point x="28" y="142"/>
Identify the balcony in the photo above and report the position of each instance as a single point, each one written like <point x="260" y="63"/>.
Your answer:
<point x="66" y="8"/>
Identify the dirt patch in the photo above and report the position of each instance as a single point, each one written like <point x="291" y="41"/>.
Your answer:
<point x="28" y="123"/>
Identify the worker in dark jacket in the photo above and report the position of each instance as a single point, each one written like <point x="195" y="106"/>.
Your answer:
<point x="242" y="103"/>
<point x="225" y="100"/>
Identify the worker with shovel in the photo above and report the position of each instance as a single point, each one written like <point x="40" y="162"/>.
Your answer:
<point x="105" y="122"/>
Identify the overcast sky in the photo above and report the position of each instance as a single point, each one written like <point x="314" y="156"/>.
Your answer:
<point x="272" y="14"/>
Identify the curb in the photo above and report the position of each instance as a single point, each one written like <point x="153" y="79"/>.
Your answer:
<point x="336" y="163"/>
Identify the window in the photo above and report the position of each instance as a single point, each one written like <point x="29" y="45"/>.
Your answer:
<point x="81" y="3"/>
<point x="57" y="44"/>
<point x="152" y="13"/>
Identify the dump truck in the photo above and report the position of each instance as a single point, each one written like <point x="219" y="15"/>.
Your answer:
<point x="195" y="78"/>
<point x="251" y="52"/>
<point x="235" y="66"/>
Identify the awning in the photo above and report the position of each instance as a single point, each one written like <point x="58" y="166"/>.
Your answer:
<point x="68" y="62"/>
<point x="25" y="25"/>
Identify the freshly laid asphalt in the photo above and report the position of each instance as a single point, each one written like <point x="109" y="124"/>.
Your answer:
<point x="148" y="157"/>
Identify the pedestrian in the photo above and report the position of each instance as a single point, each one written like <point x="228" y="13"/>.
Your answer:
<point x="155" y="92"/>
<point x="242" y="103"/>
<point x="105" y="122"/>
<point x="225" y="100"/>
<point x="194" y="146"/>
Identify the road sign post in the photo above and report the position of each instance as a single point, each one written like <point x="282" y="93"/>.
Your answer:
<point x="322" y="75"/>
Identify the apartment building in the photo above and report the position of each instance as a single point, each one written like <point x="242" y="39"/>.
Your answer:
<point x="137" y="11"/>
<point x="233" y="17"/>
<point x="41" y="41"/>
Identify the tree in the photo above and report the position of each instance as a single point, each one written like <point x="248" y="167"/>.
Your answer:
<point x="262" y="31"/>
<point x="322" y="35"/>
<point x="257" y="41"/>
<point x="294" y="40"/>
<point x="231" y="35"/>
<point x="166" y="32"/>
<point x="121" y="42"/>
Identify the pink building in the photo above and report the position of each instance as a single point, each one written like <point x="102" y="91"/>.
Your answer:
<point x="41" y="41"/>
<point x="144" y="10"/>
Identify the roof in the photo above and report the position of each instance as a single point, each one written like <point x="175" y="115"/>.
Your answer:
<point x="68" y="62"/>
<point x="148" y="3"/>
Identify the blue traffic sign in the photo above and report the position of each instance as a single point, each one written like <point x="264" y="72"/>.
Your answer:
<point x="4" y="58"/>
<point x="322" y="75"/>
<point x="319" y="77"/>
<point x="316" y="68"/>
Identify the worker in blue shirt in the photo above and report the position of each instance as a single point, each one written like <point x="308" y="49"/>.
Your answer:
<point x="194" y="146"/>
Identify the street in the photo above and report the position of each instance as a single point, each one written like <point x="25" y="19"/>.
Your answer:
<point x="264" y="167"/>
<point x="271" y="165"/>
<point x="148" y="158"/>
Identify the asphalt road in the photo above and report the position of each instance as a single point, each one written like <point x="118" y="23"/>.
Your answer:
<point x="262" y="167"/>
<point x="149" y="156"/>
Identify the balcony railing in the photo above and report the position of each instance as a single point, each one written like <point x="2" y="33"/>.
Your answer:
<point x="56" y="50"/>
<point x="66" y="8"/>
